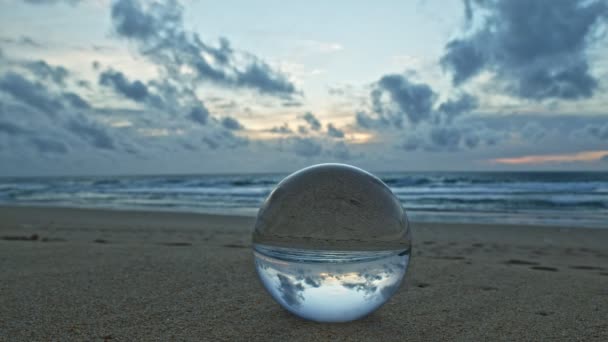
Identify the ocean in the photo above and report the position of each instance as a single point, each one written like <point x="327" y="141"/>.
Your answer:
<point x="577" y="199"/>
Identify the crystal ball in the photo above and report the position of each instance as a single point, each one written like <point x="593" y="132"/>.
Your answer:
<point x="331" y="243"/>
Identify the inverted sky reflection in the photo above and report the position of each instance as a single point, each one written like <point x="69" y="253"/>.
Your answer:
<point x="332" y="291"/>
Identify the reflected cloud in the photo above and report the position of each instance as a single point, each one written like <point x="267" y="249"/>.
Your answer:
<point x="345" y="288"/>
<point x="290" y="291"/>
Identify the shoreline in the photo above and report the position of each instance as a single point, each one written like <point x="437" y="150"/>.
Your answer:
<point x="237" y="213"/>
<point x="83" y="274"/>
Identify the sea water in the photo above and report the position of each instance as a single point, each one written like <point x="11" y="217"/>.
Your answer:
<point x="330" y="286"/>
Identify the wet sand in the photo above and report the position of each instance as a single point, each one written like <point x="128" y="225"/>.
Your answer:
<point x="75" y="274"/>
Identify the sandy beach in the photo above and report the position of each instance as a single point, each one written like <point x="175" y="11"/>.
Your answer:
<point x="86" y="275"/>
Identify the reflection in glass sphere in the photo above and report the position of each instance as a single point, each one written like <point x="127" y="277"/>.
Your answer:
<point x="331" y="243"/>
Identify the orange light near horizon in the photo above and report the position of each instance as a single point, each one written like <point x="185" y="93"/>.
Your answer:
<point x="585" y="156"/>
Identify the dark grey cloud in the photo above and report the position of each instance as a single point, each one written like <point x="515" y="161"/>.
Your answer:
<point x="292" y="103"/>
<point x="445" y="138"/>
<point x="177" y="99"/>
<point x="397" y="102"/>
<point x="45" y="145"/>
<point x="34" y="94"/>
<point x="283" y="129"/>
<point x="364" y="287"/>
<point x="306" y="147"/>
<point x="231" y="123"/>
<point x="600" y="132"/>
<point x="406" y="99"/>
<point x="311" y="281"/>
<point x="157" y="29"/>
<point x="291" y="292"/>
<point x="412" y="143"/>
<point x="199" y="114"/>
<point x="11" y="128"/>
<point x="533" y="132"/>
<point x="22" y="41"/>
<point x="536" y="49"/>
<point x="334" y="132"/>
<point x="302" y="129"/>
<point x="223" y="138"/>
<point x="31" y="91"/>
<point x="364" y="120"/>
<point x="471" y="141"/>
<point x="134" y="90"/>
<point x="91" y="132"/>
<point x="42" y="70"/>
<point x="211" y="143"/>
<point x="312" y="121"/>
<point x="341" y="151"/>
<point x="465" y="103"/>
<point x="27" y="135"/>
<point x="76" y="101"/>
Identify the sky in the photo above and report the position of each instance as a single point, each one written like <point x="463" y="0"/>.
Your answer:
<point x="171" y="87"/>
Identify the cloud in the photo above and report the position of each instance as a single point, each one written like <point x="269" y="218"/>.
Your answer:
<point x="96" y="135"/>
<point x="157" y="30"/>
<point x="135" y="90"/>
<point x="312" y="121"/>
<point x="341" y="151"/>
<point x="302" y="130"/>
<point x="283" y="129"/>
<point x="31" y="93"/>
<point x="406" y="99"/>
<point x="600" y="132"/>
<point x="163" y="95"/>
<point x="313" y="282"/>
<point x="58" y="74"/>
<point x="231" y="123"/>
<point x="334" y="132"/>
<point x="49" y="146"/>
<point x="291" y="292"/>
<point x="292" y="103"/>
<point x="399" y="103"/>
<point x="535" y="49"/>
<point x="532" y="131"/>
<point x="465" y="103"/>
<point x="305" y="147"/>
<point x="76" y="101"/>
<point x="199" y="114"/>
<point x="364" y="120"/>
<point x="445" y="138"/>
<point x="11" y="129"/>
<point x="223" y="138"/>
<point x="33" y="137"/>
<point x="22" y="41"/>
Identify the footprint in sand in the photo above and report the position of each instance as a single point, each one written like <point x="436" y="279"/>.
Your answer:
<point x="544" y="268"/>
<point x="177" y="244"/>
<point x="520" y="262"/>
<point x="488" y="288"/>
<point x="588" y="268"/>
<point x="233" y="245"/>
<point x="33" y="237"/>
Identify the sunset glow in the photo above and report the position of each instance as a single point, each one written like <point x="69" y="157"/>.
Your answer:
<point x="586" y="156"/>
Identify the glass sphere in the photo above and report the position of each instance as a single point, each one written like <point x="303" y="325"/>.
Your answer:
<point x="331" y="243"/>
